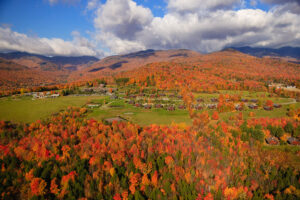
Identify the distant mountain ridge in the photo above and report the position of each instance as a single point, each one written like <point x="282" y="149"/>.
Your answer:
<point x="58" y="60"/>
<point x="130" y="61"/>
<point x="293" y="52"/>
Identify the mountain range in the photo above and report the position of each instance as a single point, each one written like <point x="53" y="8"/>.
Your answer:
<point x="25" y="69"/>
<point x="283" y="52"/>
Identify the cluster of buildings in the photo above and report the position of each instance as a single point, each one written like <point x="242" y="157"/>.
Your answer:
<point x="274" y="141"/>
<point x="42" y="95"/>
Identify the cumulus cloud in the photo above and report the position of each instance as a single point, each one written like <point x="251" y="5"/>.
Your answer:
<point x="123" y="26"/>
<point x="205" y="26"/>
<point x="14" y="41"/>
<point x="200" y="5"/>
<point x="123" y="18"/>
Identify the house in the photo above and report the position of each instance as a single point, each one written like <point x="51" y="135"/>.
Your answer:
<point x="212" y="106"/>
<point x="39" y="95"/>
<point x="268" y="108"/>
<point x="253" y="106"/>
<point x="293" y="141"/>
<point x="272" y="141"/>
<point x="170" y="108"/>
<point x="138" y="105"/>
<point x="214" y="100"/>
<point x="254" y="100"/>
<point x="116" y="119"/>
<point x="277" y="105"/>
<point x="147" y="106"/>
<point x="198" y="107"/>
<point x="158" y="106"/>
<point x="200" y="100"/>
<point x="131" y="102"/>
<point x="244" y="100"/>
<point x="238" y="108"/>
<point x="54" y="95"/>
<point x="182" y="107"/>
<point x="179" y="97"/>
<point x="113" y="97"/>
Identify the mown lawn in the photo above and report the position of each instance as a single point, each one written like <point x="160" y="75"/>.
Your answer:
<point x="140" y="116"/>
<point x="24" y="109"/>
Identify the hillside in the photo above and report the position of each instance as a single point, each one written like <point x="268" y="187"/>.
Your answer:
<point x="113" y="64"/>
<point x="230" y="65"/>
<point x="11" y="66"/>
<point x="215" y="71"/>
<point x="15" y="76"/>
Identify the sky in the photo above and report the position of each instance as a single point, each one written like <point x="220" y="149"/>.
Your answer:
<point x="107" y="27"/>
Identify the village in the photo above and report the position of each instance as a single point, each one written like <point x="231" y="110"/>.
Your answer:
<point x="125" y="104"/>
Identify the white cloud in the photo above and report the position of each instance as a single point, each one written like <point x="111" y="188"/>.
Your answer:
<point x="204" y="26"/>
<point x="123" y="26"/>
<point x="200" y="5"/>
<point x="14" y="41"/>
<point x="92" y="4"/>
<point x="123" y="18"/>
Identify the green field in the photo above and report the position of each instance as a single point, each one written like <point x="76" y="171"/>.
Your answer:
<point x="140" y="116"/>
<point x="24" y="109"/>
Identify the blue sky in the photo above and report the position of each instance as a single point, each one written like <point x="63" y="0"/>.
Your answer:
<point x="41" y="18"/>
<point x="119" y="26"/>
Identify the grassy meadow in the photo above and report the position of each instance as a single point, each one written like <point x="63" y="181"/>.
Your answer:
<point x="25" y="109"/>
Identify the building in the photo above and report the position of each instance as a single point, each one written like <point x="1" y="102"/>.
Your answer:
<point x="277" y="105"/>
<point x="54" y="95"/>
<point x="171" y="108"/>
<point x="182" y="107"/>
<point x="138" y="105"/>
<point x="214" y="100"/>
<point x="147" y="106"/>
<point x="253" y="106"/>
<point x="200" y="100"/>
<point x="131" y="102"/>
<point x="272" y="141"/>
<point x="198" y="107"/>
<point x="238" y="108"/>
<point x="268" y="108"/>
<point x="158" y="106"/>
<point x="212" y="106"/>
<point x="293" y="141"/>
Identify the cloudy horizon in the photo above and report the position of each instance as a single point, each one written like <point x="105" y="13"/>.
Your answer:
<point x="124" y="26"/>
